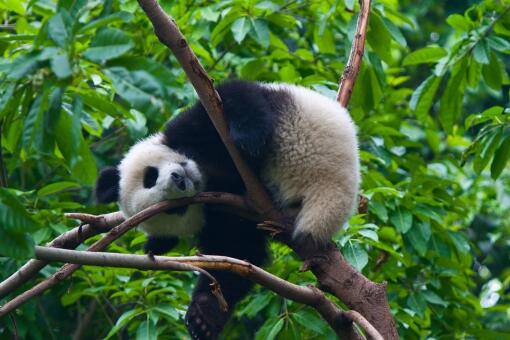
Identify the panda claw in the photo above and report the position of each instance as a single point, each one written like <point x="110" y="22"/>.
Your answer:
<point x="312" y="262"/>
<point x="273" y="227"/>
<point x="151" y="256"/>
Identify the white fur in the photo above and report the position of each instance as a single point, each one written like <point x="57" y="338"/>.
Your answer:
<point x="315" y="162"/>
<point x="133" y="197"/>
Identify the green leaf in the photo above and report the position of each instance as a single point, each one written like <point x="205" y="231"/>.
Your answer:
<point x="460" y="242"/>
<point x="481" y="52"/>
<point x="474" y="73"/>
<point x="167" y="310"/>
<point x="379" y="209"/>
<point x="53" y="188"/>
<point x="80" y="161"/>
<point x="355" y="254"/>
<point x="395" y="32"/>
<point x="487" y="147"/>
<point x="142" y="90"/>
<point x="425" y="55"/>
<point x="13" y="5"/>
<point x="417" y="303"/>
<point x="325" y="40"/>
<point x="501" y="157"/>
<point x="256" y="305"/>
<point x="59" y="29"/>
<point x="402" y="219"/>
<point x="379" y="37"/>
<point x="107" y="20"/>
<point x="60" y="65"/>
<point x="221" y="28"/>
<point x="419" y="237"/>
<point x="493" y="72"/>
<point x="33" y="121"/>
<point x="459" y="22"/>
<point x="122" y="321"/>
<point x="261" y="32"/>
<point x="275" y="330"/>
<point x="499" y="44"/>
<point x="16" y="245"/>
<point x="240" y="28"/>
<point x="432" y="297"/>
<point x="109" y="43"/>
<point x="310" y="321"/>
<point x="451" y="101"/>
<point x="423" y="96"/>
<point x="349" y="4"/>
<point x="13" y="216"/>
<point x="23" y="65"/>
<point x="147" y="331"/>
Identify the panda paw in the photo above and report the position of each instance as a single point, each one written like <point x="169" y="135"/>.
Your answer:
<point x="204" y="318"/>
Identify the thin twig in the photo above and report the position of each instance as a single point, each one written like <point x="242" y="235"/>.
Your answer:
<point x="358" y="46"/>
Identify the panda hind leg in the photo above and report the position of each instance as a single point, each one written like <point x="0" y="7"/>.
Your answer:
<point x="205" y="319"/>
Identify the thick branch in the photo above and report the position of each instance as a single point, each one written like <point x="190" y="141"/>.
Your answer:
<point x="170" y="35"/>
<point x="358" y="46"/>
<point x="307" y="295"/>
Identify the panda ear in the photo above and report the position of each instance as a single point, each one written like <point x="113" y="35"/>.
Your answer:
<point x="107" y="185"/>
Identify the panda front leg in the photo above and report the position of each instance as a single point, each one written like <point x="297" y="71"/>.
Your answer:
<point x="205" y="319"/>
<point x="157" y="245"/>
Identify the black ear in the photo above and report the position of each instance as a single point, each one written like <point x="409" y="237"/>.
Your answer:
<point x="107" y="185"/>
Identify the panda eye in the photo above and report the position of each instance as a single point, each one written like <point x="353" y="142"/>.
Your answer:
<point x="150" y="177"/>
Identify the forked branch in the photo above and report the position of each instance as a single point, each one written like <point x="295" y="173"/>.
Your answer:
<point x="309" y="295"/>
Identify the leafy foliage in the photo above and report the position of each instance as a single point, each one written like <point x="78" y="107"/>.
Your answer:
<point x="80" y="81"/>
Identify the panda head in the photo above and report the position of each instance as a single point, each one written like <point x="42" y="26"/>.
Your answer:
<point x="149" y="173"/>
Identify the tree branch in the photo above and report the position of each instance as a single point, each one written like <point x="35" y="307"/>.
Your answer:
<point x="333" y="272"/>
<point x="309" y="295"/>
<point x="353" y="64"/>
<point x="169" y="34"/>
<point x="33" y="267"/>
<point x="70" y="240"/>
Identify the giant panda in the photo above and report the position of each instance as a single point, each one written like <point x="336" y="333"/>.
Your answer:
<point x="302" y="145"/>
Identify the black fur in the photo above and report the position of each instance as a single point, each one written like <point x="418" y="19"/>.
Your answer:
<point x="250" y="111"/>
<point x="150" y="177"/>
<point x="107" y="186"/>
<point x="159" y="245"/>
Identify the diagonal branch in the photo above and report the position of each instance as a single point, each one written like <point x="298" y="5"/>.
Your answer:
<point x="169" y="34"/>
<point x="333" y="272"/>
<point x="357" y="49"/>
<point x="309" y="295"/>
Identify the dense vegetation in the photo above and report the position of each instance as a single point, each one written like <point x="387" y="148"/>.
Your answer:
<point x="81" y="80"/>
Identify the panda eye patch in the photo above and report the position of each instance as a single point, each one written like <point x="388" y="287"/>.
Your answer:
<point x="150" y="177"/>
